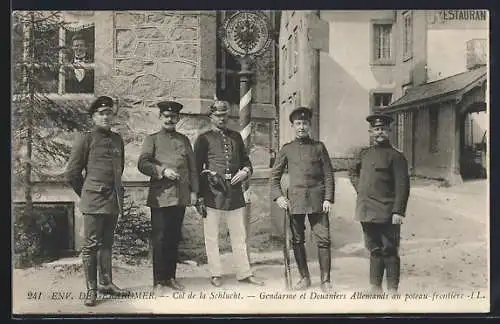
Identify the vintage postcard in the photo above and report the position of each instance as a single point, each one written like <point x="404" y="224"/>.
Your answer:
<point x="250" y="162"/>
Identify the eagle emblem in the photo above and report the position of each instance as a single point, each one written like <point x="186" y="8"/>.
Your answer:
<point x="246" y="33"/>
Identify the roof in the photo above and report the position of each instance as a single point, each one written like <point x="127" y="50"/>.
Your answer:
<point x="456" y="84"/>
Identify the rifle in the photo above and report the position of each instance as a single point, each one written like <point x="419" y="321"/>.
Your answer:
<point x="286" y="235"/>
<point x="286" y="251"/>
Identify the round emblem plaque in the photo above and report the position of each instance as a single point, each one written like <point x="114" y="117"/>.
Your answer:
<point x="246" y="33"/>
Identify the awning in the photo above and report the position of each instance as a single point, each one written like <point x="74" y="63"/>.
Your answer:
<point x="453" y="87"/>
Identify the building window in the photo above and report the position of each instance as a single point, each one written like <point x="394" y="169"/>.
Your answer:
<point x="433" y="129"/>
<point x="79" y="76"/>
<point x="379" y="100"/>
<point x="407" y="35"/>
<point x="63" y="57"/>
<point x="382" y="43"/>
<point x="295" y="51"/>
<point x="228" y="80"/>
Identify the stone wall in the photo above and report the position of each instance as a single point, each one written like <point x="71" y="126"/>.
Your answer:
<point x="163" y="55"/>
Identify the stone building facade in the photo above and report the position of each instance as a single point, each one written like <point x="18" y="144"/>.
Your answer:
<point x="143" y="57"/>
<point x="368" y="60"/>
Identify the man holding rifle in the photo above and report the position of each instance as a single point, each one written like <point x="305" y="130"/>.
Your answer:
<point x="310" y="192"/>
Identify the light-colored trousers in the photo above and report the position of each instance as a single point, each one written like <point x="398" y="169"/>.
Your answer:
<point x="235" y="220"/>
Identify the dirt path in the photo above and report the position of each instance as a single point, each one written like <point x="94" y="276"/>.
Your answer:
<point x="443" y="250"/>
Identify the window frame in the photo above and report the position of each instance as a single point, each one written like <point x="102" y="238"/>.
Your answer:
<point x="407" y="34"/>
<point x="373" y="57"/>
<point x="61" y="79"/>
<point x="377" y="92"/>
<point x="225" y="74"/>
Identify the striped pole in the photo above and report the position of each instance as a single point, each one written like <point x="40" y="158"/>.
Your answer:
<point x="245" y="131"/>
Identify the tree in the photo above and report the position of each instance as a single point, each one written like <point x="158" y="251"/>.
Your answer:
<point x="41" y="124"/>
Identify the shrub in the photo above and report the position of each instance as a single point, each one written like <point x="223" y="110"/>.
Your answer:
<point x="132" y="233"/>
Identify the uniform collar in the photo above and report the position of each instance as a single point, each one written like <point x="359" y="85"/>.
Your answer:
<point x="101" y="130"/>
<point x="305" y="140"/>
<point x="224" y="131"/>
<point x="383" y="145"/>
<point x="168" y="132"/>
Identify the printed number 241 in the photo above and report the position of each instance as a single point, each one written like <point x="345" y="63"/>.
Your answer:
<point x="34" y="294"/>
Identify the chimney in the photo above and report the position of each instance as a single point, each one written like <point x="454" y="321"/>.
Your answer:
<point x="476" y="53"/>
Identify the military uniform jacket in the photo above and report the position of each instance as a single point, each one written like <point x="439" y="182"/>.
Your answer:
<point x="222" y="152"/>
<point x="101" y="154"/>
<point x="168" y="149"/>
<point x="310" y="173"/>
<point x="382" y="182"/>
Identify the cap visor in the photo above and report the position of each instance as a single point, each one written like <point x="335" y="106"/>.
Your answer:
<point x="169" y="113"/>
<point x="104" y="109"/>
<point x="220" y="113"/>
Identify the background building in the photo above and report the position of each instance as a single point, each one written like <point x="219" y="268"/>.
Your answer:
<point x="140" y="58"/>
<point x="367" y="60"/>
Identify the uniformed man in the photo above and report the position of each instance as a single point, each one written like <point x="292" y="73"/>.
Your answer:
<point x="167" y="157"/>
<point x="101" y="154"/>
<point x="310" y="192"/>
<point x="382" y="182"/>
<point x="223" y="164"/>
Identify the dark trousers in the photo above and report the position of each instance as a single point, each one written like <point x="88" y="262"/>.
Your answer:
<point x="320" y="226"/>
<point x="98" y="232"/>
<point x="166" y="226"/>
<point x="382" y="241"/>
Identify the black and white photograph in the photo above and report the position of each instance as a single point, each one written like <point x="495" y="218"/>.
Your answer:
<point x="250" y="162"/>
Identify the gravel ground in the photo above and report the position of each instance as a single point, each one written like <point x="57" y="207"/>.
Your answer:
<point x="444" y="251"/>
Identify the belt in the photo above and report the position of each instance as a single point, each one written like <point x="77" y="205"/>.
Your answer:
<point x="227" y="176"/>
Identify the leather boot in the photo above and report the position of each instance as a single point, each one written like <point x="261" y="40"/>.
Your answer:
<point x="325" y="265"/>
<point x="376" y="272"/>
<point x="174" y="284"/>
<point x="392" y="268"/>
<point x="106" y="285"/>
<point x="300" y="257"/>
<point x="90" y="271"/>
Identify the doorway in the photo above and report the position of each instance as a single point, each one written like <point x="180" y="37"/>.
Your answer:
<point x="473" y="145"/>
<point x="54" y="226"/>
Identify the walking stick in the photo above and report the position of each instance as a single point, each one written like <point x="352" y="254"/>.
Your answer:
<point x="286" y="227"/>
